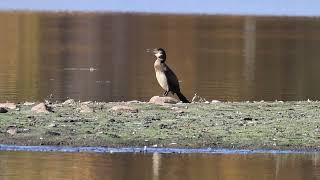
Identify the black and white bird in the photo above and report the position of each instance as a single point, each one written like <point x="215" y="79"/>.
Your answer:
<point x="165" y="76"/>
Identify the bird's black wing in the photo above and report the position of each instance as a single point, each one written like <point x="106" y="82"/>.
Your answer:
<point x="172" y="80"/>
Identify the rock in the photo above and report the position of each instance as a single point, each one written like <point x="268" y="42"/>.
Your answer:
<point x="133" y="101"/>
<point x="85" y="109"/>
<point x="52" y="125"/>
<point x="3" y="110"/>
<point x="8" y="105"/>
<point x="28" y="103"/>
<point x="247" y="119"/>
<point x="124" y="108"/>
<point x="87" y="102"/>
<point x="163" y="100"/>
<point x="172" y="144"/>
<point x="177" y="110"/>
<point x="12" y="130"/>
<point x="69" y="102"/>
<point x="41" y="108"/>
<point x="215" y="101"/>
<point x="53" y="133"/>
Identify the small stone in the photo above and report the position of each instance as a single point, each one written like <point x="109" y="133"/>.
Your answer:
<point x="53" y="133"/>
<point x="8" y="105"/>
<point x="26" y="130"/>
<point x="163" y="100"/>
<point x="12" y="130"/>
<point x="215" y="101"/>
<point x="87" y="102"/>
<point x="69" y="102"/>
<point x="247" y="119"/>
<point x="41" y="108"/>
<point x="52" y="125"/>
<point x="124" y="108"/>
<point x="3" y="110"/>
<point x="133" y="101"/>
<point x="28" y="103"/>
<point x="85" y="109"/>
<point x="180" y="111"/>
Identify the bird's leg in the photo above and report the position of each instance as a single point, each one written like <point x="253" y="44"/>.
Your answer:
<point x="166" y="93"/>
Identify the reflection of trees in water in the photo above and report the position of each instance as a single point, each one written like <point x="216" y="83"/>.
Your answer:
<point x="219" y="57"/>
<point x="19" y="55"/>
<point x="156" y="165"/>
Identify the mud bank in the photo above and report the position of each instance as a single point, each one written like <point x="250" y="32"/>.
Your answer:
<point x="241" y="125"/>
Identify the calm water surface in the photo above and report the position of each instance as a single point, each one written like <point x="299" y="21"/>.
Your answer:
<point x="37" y="165"/>
<point x="101" y="56"/>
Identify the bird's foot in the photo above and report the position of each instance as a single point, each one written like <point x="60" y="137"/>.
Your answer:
<point x="165" y="93"/>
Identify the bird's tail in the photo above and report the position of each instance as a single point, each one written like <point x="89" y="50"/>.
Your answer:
<point x="182" y="97"/>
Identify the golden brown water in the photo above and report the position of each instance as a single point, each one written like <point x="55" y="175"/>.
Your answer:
<point x="219" y="57"/>
<point x="37" y="165"/>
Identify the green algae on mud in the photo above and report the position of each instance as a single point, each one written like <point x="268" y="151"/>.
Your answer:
<point x="253" y="125"/>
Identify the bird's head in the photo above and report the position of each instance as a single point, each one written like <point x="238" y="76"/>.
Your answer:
<point x="160" y="54"/>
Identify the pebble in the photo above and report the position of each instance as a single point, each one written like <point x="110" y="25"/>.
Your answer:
<point x="41" y="108"/>
<point x="8" y="105"/>
<point x="52" y="125"/>
<point x="12" y="130"/>
<point x="28" y="103"/>
<point x="133" y="101"/>
<point x="124" y="108"/>
<point x="215" y="101"/>
<point x="87" y="102"/>
<point x="85" y="109"/>
<point x="163" y="100"/>
<point x="69" y="102"/>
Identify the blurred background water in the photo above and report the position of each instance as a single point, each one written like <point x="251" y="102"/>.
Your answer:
<point x="102" y="56"/>
<point x="225" y="50"/>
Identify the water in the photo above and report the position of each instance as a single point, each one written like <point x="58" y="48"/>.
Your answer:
<point x="138" y="166"/>
<point x="102" y="56"/>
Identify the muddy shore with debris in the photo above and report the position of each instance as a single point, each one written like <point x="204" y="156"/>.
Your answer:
<point x="248" y="125"/>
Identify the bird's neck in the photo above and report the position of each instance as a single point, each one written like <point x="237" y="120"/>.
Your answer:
<point x="161" y="60"/>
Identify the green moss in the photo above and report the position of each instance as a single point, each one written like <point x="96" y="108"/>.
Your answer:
<point x="288" y="125"/>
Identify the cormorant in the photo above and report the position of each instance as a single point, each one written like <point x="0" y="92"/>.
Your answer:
<point x="165" y="76"/>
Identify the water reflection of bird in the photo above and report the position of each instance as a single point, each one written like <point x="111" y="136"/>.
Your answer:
<point x="165" y="76"/>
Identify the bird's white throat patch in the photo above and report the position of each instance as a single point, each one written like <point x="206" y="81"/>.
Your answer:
<point x="158" y="54"/>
